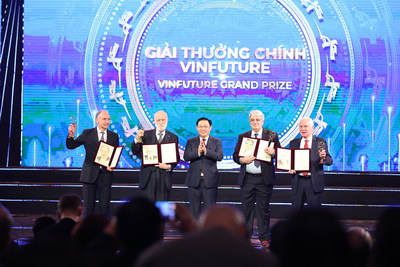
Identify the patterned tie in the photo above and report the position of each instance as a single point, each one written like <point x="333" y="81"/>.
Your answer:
<point x="160" y="137"/>
<point x="256" y="162"/>
<point x="305" y="146"/>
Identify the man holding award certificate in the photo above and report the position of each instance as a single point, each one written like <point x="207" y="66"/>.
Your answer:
<point x="96" y="172"/>
<point x="307" y="186"/>
<point x="254" y="152"/>
<point x="159" y="153"/>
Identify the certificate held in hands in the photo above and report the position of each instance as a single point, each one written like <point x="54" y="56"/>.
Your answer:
<point x="293" y="159"/>
<point x="160" y="153"/>
<point x="107" y="155"/>
<point x="255" y="147"/>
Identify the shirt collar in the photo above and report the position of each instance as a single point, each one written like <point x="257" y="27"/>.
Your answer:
<point x="201" y="138"/>
<point x="259" y="133"/>
<point x="99" y="131"/>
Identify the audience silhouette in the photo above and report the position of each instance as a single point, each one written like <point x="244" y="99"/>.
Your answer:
<point x="133" y="237"/>
<point x="387" y="236"/>
<point x="312" y="238"/>
<point x="220" y="240"/>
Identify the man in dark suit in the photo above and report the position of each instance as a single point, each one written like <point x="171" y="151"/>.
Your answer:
<point x="257" y="178"/>
<point x="202" y="179"/>
<point x="308" y="187"/>
<point x="155" y="181"/>
<point x="54" y="246"/>
<point x="96" y="179"/>
<point x="69" y="210"/>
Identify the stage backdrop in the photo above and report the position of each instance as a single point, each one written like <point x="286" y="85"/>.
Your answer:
<point x="335" y="61"/>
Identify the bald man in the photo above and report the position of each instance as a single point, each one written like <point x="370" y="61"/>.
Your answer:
<point x="155" y="182"/>
<point x="308" y="187"/>
<point x="96" y="180"/>
<point x="226" y="217"/>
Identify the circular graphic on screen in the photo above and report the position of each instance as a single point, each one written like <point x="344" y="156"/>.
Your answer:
<point x="218" y="59"/>
<point x="193" y="67"/>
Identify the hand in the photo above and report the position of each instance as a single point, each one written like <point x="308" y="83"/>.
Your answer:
<point x="184" y="220"/>
<point x="292" y="172"/>
<point x="322" y="155"/>
<point x="163" y="166"/>
<point x="201" y="148"/>
<point x="111" y="228"/>
<point x="139" y="136"/>
<point x="71" y="130"/>
<point x="109" y="169"/>
<point x="269" y="150"/>
<point x="247" y="159"/>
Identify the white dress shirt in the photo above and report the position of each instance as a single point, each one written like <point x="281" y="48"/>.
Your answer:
<point x="99" y="134"/>
<point x="251" y="168"/>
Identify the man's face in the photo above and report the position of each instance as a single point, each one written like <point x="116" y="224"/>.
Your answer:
<point x="249" y="144"/>
<point x="103" y="120"/>
<point x="305" y="128"/>
<point x="161" y="120"/>
<point x="203" y="128"/>
<point x="104" y="152"/>
<point x="256" y="123"/>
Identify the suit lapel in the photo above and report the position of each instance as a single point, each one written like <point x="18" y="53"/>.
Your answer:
<point x="166" y="138"/>
<point x="298" y="142"/>
<point x="95" y="137"/>
<point x="152" y="136"/>
<point x="264" y="134"/>
<point x="210" y="143"/>
<point x="314" y="147"/>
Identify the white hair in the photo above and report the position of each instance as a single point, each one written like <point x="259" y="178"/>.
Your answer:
<point x="308" y="120"/>
<point x="256" y="113"/>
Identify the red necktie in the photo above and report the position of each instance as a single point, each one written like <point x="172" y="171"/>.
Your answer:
<point x="306" y="146"/>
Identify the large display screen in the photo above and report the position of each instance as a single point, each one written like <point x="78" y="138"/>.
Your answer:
<point x="334" y="61"/>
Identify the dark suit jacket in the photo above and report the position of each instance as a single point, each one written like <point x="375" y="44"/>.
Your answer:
<point x="58" y="234"/>
<point x="267" y="169"/>
<point x="89" y="139"/>
<point x="146" y="171"/>
<point x="207" y="163"/>
<point x="317" y="170"/>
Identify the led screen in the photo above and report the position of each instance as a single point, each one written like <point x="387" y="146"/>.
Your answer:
<point x="334" y="61"/>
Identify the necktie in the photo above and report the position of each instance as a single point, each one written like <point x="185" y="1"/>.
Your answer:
<point x="305" y="146"/>
<point x="160" y="137"/>
<point x="256" y="162"/>
<point x="102" y="136"/>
